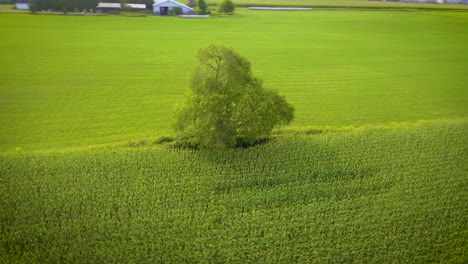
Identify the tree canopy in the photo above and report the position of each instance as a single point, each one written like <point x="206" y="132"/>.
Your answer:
<point x="202" y="7"/>
<point x="70" y="5"/>
<point x="64" y="5"/>
<point x="227" y="104"/>
<point x="226" y="6"/>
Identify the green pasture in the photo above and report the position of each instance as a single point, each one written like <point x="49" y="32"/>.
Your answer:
<point x="71" y="81"/>
<point x="380" y="195"/>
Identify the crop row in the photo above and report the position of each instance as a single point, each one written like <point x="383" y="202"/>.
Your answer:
<point x="379" y="195"/>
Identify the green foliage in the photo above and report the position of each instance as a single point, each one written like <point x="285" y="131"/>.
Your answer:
<point x="163" y="139"/>
<point x="226" y="101"/>
<point x="175" y="11"/>
<point x="226" y="6"/>
<point x="393" y="195"/>
<point x="202" y="7"/>
<point x="113" y="12"/>
<point x="62" y="5"/>
<point x="191" y="3"/>
<point x="33" y="6"/>
<point x="127" y="8"/>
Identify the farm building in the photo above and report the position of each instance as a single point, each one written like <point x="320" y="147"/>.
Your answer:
<point x="22" y="4"/>
<point x="162" y="7"/>
<point x="106" y="7"/>
<point x="136" y="7"/>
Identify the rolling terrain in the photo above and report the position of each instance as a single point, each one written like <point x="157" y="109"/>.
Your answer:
<point x="395" y="194"/>
<point x="356" y="178"/>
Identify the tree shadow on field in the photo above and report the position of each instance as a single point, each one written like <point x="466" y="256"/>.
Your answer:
<point x="300" y="160"/>
<point x="296" y="170"/>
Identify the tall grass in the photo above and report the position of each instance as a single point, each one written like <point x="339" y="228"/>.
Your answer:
<point x="395" y="194"/>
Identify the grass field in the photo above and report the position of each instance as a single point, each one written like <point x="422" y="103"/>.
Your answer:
<point x="393" y="195"/>
<point x="365" y="4"/>
<point x="71" y="81"/>
<point x="340" y="4"/>
<point x="354" y="179"/>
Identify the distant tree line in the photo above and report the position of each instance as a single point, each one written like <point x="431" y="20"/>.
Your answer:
<point x="225" y="7"/>
<point x="62" y="5"/>
<point x="70" y="5"/>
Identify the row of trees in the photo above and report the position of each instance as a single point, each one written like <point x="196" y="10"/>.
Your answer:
<point x="227" y="6"/>
<point x="7" y="2"/>
<point x="63" y="5"/>
<point x="70" y="5"/>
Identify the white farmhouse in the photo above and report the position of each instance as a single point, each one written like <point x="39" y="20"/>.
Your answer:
<point x="162" y="7"/>
<point x="22" y="4"/>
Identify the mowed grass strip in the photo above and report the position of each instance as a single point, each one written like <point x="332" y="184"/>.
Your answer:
<point x="70" y="81"/>
<point x="376" y="195"/>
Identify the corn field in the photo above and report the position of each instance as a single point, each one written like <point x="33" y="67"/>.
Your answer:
<point x="395" y="194"/>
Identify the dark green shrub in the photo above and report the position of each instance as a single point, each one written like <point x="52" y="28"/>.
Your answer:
<point x="227" y="6"/>
<point x="113" y="12"/>
<point x="242" y="142"/>
<point x="202" y="7"/>
<point x="127" y="8"/>
<point x="175" y="11"/>
<point x="163" y="139"/>
<point x="184" y="142"/>
<point x="33" y="6"/>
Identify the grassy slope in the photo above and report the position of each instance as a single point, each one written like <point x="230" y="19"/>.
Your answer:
<point x="368" y="195"/>
<point x="375" y="195"/>
<point x="75" y="81"/>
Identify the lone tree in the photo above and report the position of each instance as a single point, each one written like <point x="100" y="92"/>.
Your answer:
<point x="226" y="104"/>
